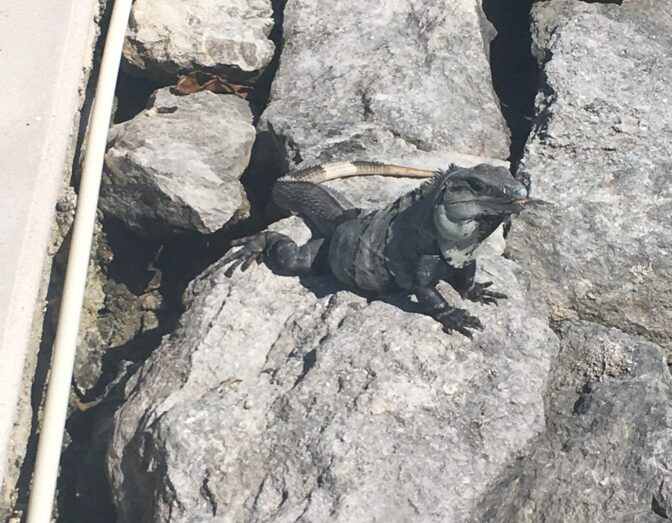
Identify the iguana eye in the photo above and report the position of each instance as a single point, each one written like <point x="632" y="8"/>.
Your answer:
<point x="476" y="184"/>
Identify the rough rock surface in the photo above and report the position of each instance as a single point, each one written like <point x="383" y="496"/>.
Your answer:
<point x="362" y="80"/>
<point x="606" y="454"/>
<point x="175" y="167"/>
<point x="286" y="399"/>
<point x="280" y="400"/>
<point x="600" y="154"/>
<point x="225" y="37"/>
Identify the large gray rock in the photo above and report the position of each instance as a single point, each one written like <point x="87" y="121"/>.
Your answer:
<point x="606" y="454"/>
<point x="282" y="400"/>
<point x="225" y="37"/>
<point x="600" y="154"/>
<point x="175" y="167"/>
<point x="372" y="80"/>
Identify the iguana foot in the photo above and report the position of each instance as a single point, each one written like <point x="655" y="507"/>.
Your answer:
<point x="479" y="293"/>
<point x="252" y="249"/>
<point x="451" y="318"/>
<point x="458" y="320"/>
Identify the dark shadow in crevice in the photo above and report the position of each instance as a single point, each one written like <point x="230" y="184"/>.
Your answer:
<point x="268" y="160"/>
<point x="84" y="490"/>
<point x="515" y="73"/>
<point x="133" y="256"/>
<point x="84" y="493"/>
<point x="89" y="92"/>
<point x="132" y="95"/>
<point x="262" y="87"/>
<point x="39" y="382"/>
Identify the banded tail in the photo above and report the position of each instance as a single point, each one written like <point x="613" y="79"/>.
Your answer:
<point x="332" y="171"/>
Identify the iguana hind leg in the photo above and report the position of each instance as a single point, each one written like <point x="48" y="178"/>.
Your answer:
<point x="279" y="252"/>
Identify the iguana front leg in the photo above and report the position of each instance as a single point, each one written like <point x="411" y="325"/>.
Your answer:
<point x="451" y="318"/>
<point x="463" y="281"/>
<point x="279" y="252"/>
<point x="427" y="273"/>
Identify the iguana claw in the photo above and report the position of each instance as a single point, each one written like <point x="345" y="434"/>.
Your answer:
<point x="459" y="320"/>
<point x="479" y="293"/>
<point x="252" y="249"/>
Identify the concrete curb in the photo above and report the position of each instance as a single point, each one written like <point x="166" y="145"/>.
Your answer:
<point x="47" y="50"/>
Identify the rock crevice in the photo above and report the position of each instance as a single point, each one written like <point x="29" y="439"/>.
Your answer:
<point x="515" y="73"/>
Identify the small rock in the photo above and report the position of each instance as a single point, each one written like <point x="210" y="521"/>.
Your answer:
<point x="174" y="168"/>
<point x="225" y="37"/>
<point x="64" y="218"/>
<point x="150" y="321"/>
<point x="150" y="301"/>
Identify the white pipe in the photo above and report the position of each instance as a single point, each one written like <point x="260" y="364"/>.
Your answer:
<point x="65" y="344"/>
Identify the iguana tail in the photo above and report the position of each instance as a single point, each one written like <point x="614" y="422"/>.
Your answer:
<point x="332" y="171"/>
<point x="300" y="193"/>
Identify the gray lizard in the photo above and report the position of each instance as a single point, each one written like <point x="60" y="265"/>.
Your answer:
<point x="427" y="235"/>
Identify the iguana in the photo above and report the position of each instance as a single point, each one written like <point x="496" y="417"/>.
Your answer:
<point x="427" y="235"/>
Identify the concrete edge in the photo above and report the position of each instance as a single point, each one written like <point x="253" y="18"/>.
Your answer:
<point x="20" y="328"/>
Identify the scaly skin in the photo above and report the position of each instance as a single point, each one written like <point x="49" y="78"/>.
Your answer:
<point x="425" y="236"/>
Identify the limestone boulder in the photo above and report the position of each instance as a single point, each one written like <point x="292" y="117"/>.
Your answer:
<point x="229" y="38"/>
<point x="373" y="80"/>
<point x="606" y="453"/>
<point x="175" y="167"/>
<point x="599" y="154"/>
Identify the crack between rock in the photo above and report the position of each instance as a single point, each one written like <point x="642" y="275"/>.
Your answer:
<point x="260" y="489"/>
<point x="261" y="94"/>
<point x="309" y="361"/>
<point x="367" y="111"/>
<point x="514" y="70"/>
<point x="208" y="495"/>
<point x="420" y="145"/>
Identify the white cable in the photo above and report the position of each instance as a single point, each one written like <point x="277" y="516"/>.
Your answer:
<point x="65" y="345"/>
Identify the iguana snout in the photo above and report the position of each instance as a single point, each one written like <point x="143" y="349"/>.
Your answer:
<point x="479" y="192"/>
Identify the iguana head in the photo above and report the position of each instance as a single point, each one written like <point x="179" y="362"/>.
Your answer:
<point x="474" y="201"/>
